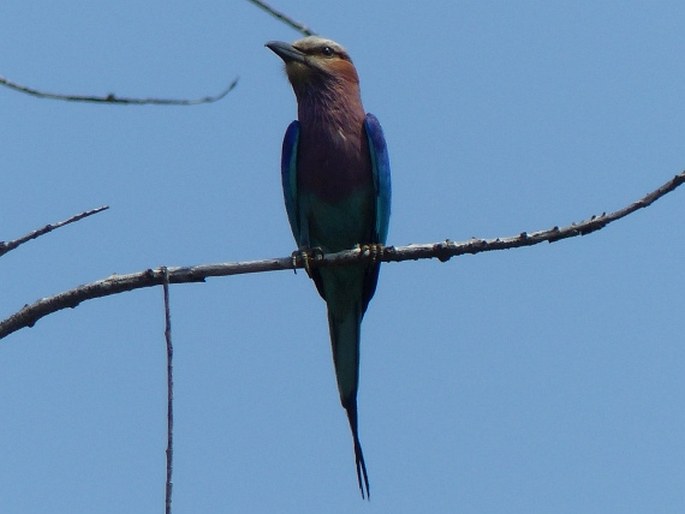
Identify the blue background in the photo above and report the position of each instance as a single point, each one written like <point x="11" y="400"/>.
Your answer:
<point x="544" y="379"/>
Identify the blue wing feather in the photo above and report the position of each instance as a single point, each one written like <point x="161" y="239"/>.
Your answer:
<point x="289" y="176"/>
<point x="380" y="168"/>
<point x="381" y="175"/>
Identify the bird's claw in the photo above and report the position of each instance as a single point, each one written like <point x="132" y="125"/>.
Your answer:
<point x="375" y="250"/>
<point x="308" y="255"/>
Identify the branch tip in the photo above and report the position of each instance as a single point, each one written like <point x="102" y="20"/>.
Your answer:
<point x="11" y="245"/>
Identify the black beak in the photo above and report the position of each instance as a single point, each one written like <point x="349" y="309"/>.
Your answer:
<point x="286" y="51"/>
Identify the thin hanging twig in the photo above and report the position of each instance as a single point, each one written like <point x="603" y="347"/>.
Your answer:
<point x="170" y="392"/>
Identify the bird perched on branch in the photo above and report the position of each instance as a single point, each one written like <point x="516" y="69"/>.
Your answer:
<point x="336" y="183"/>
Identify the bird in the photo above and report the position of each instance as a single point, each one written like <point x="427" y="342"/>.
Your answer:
<point x="335" y="174"/>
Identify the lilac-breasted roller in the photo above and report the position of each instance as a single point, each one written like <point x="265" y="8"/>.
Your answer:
<point x="336" y="183"/>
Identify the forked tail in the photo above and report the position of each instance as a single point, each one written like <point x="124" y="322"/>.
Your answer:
<point x="362" y="477"/>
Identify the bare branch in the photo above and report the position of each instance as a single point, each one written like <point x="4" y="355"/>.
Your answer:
<point x="443" y="251"/>
<point x="448" y="249"/>
<point x="300" y="27"/>
<point x="11" y="245"/>
<point x="113" y="99"/>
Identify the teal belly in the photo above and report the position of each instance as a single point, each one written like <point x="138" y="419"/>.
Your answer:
<point x="337" y="226"/>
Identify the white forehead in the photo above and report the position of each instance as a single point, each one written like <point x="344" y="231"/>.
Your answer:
<point x="317" y="42"/>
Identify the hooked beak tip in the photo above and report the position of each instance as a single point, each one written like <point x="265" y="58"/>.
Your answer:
<point x="285" y="51"/>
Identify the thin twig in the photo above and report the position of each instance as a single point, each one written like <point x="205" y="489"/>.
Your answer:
<point x="113" y="99"/>
<point x="11" y="245"/>
<point x="300" y="27"/>
<point x="443" y="251"/>
<point x="170" y="391"/>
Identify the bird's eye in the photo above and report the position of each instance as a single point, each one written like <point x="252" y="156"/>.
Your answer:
<point x="327" y="51"/>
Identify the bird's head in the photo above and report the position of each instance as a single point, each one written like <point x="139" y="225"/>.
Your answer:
<point x="313" y="61"/>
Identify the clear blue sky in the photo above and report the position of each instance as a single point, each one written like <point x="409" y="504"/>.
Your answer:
<point x="538" y="380"/>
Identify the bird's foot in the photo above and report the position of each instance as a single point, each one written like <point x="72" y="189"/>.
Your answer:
<point x="375" y="250"/>
<point x="308" y="256"/>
